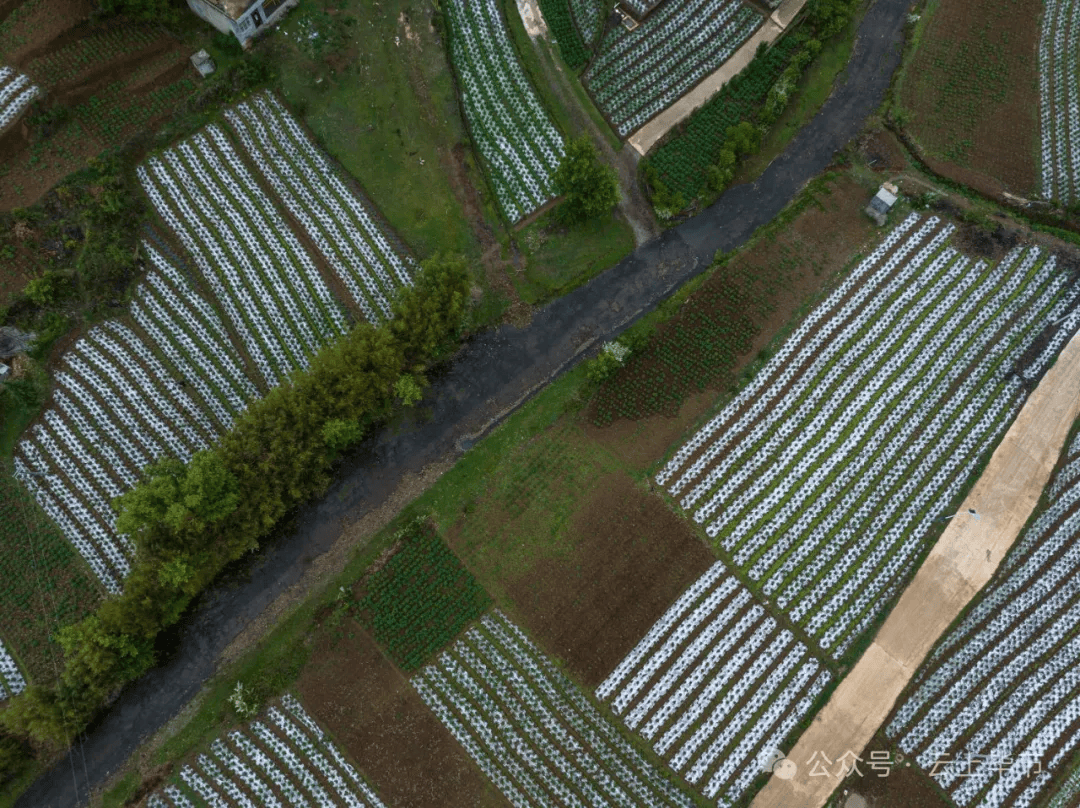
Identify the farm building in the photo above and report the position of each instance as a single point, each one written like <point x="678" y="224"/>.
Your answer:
<point x="242" y="18"/>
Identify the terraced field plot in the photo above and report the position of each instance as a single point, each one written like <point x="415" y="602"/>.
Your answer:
<point x="12" y="682"/>
<point x="283" y="758"/>
<point x="531" y="730"/>
<point x="637" y="74"/>
<point x="969" y="93"/>
<point x="16" y="93"/>
<point x="1059" y="101"/>
<point x="997" y="704"/>
<point x="169" y="381"/>
<point x="823" y="478"/>
<point x="713" y="683"/>
<point x="515" y="135"/>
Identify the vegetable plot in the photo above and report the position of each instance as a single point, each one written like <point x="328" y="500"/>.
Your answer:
<point x="529" y="728"/>
<point x="589" y="16"/>
<point x="12" y="682"/>
<point x="714" y="683"/>
<point x="421" y="599"/>
<point x="283" y="759"/>
<point x="511" y="129"/>
<point x="256" y="267"/>
<point x="360" y="251"/>
<point x="638" y="74"/>
<point x="116" y="408"/>
<point x="16" y="93"/>
<point x="822" y="479"/>
<point x="1059" y="74"/>
<point x="997" y="704"/>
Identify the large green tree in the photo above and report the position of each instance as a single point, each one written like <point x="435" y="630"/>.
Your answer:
<point x="590" y="188"/>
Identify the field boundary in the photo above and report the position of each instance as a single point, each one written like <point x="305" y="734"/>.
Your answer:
<point x="990" y="519"/>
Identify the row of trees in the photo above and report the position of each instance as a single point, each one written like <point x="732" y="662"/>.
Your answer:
<point x="188" y="522"/>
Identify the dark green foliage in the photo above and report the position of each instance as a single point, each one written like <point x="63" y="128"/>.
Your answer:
<point x="421" y="599"/>
<point x="81" y="246"/>
<point x="165" y="11"/>
<point x="682" y="163"/>
<point x="340" y="433"/>
<point x="178" y="495"/>
<point x="276" y="456"/>
<point x="590" y="188"/>
<point x="14" y="755"/>
<point x="557" y="16"/>
<point x="695" y="350"/>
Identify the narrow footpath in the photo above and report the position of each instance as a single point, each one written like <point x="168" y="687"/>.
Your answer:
<point x="958" y="566"/>
<point x="493" y="374"/>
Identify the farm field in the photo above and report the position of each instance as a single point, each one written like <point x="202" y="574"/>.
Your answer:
<point x="283" y="756"/>
<point x="997" y="703"/>
<point x="1059" y="116"/>
<point x="968" y="93"/>
<point x="552" y="516"/>
<point x="513" y="132"/>
<point x="101" y="83"/>
<point x="823" y="479"/>
<point x="637" y="74"/>
<point x="530" y="730"/>
<point x="170" y="380"/>
<point x="713" y="682"/>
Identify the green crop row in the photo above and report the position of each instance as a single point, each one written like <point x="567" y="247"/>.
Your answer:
<point x="421" y="599"/>
<point x="557" y="16"/>
<point x="682" y="161"/>
<point x="696" y="350"/>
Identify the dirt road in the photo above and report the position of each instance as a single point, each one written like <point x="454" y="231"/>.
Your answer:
<point x="492" y="374"/>
<point x="958" y="566"/>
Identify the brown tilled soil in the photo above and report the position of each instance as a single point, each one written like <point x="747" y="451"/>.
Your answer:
<point x="631" y="558"/>
<point x="893" y="783"/>
<point x="367" y="704"/>
<point x="971" y="87"/>
<point x="50" y="20"/>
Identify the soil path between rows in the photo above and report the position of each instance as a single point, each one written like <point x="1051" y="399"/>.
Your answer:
<point x="493" y="374"/>
<point x="959" y="565"/>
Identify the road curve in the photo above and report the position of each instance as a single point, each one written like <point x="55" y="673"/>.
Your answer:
<point x="492" y="374"/>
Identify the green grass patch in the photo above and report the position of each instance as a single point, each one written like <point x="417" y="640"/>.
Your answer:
<point x="421" y="599"/>
<point x="384" y="106"/>
<point x="559" y="259"/>
<point x="124" y="790"/>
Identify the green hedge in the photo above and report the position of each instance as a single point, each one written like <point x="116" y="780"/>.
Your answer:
<point x="277" y="457"/>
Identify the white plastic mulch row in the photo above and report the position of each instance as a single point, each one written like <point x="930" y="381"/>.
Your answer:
<point x="12" y="682"/>
<point x="529" y="728"/>
<point x="261" y="275"/>
<point x="116" y="408"/>
<point x="638" y="74"/>
<point x="346" y="233"/>
<point x="282" y="760"/>
<point x="997" y="706"/>
<point x="16" y="93"/>
<point x="714" y="683"/>
<point x="1059" y="100"/>
<point x="512" y="130"/>
<point x="822" y="479"/>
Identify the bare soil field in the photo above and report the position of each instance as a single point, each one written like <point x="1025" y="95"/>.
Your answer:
<point x="413" y="761"/>
<point x="632" y="557"/>
<point x="969" y="93"/>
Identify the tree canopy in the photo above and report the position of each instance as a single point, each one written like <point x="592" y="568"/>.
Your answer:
<point x="590" y="188"/>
